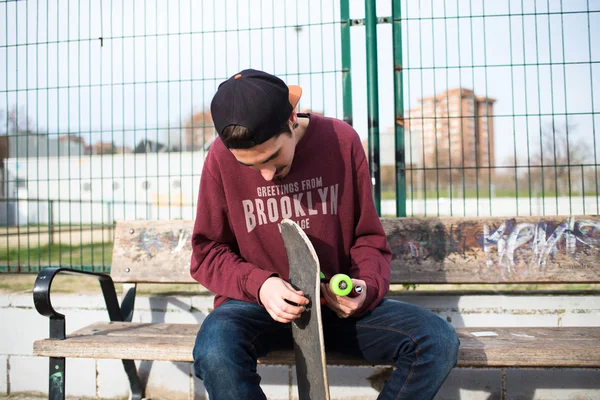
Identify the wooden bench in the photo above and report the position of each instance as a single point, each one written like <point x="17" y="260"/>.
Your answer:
<point x="425" y="250"/>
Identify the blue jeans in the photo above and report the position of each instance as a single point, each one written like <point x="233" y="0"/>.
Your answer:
<point x="421" y="345"/>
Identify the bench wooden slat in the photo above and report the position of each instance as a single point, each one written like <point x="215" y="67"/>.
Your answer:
<point x="523" y="347"/>
<point x="494" y="250"/>
<point x="152" y="252"/>
<point x="426" y="250"/>
<point x="530" y="347"/>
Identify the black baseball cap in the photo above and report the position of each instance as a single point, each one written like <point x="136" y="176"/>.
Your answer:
<point x="259" y="101"/>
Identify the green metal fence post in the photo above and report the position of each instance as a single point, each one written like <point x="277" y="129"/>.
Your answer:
<point x="50" y="223"/>
<point x="346" y="61"/>
<point x="400" y="157"/>
<point x="373" y="100"/>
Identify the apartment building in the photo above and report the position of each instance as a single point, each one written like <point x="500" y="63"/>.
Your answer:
<point x="456" y="127"/>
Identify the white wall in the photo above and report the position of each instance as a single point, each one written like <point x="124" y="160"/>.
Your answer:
<point x="102" y="188"/>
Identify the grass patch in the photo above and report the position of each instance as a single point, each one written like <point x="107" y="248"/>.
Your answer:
<point x="85" y="254"/>
<point x="62" y="283"/>
<point x="23" y="283"/>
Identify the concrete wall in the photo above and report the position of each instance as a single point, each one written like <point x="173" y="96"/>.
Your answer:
<point x="22" y="372"/>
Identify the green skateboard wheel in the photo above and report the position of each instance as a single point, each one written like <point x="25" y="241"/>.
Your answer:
<point x="341" y="285"/>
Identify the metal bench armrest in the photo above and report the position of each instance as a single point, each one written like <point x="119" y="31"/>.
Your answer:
<point x="43" y="304"/>
<point x="124" y="312"/>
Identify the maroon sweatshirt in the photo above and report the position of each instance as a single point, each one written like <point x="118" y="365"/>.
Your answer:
<point x="236" y="240"/>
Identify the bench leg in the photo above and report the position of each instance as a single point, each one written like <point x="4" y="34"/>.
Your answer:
<point x="56" y="389"/>
<point x="137" y="392"/>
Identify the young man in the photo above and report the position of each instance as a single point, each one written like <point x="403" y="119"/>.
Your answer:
<point x="269" y="163"/>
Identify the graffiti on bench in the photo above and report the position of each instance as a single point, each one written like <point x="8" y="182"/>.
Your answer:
<point x="153" y="247"/>
<point x="576" y="237"/>
<point x="496" y="249"/>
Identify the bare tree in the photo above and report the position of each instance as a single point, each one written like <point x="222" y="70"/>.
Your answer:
<point x="558" y="163"/>
<point x="16" y="122"/>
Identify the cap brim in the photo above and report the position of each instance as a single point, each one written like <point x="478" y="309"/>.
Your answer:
<point x="295" y="94"/>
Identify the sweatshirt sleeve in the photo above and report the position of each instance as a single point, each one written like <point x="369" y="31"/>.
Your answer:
<point x="370" y="254"/>
<point x="215" y="262"/>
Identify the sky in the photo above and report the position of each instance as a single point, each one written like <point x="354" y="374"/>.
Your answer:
<point x="159" y="61"/>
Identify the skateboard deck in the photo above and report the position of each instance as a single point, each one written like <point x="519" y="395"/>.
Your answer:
<point x="309" y="346"/>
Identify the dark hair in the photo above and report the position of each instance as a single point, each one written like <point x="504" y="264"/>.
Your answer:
<point x="239" y="137"/>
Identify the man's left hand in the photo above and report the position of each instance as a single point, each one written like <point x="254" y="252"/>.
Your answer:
<point x="344" y="306"/>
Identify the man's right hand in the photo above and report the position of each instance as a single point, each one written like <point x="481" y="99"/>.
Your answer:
<point x="273" y="295"/>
